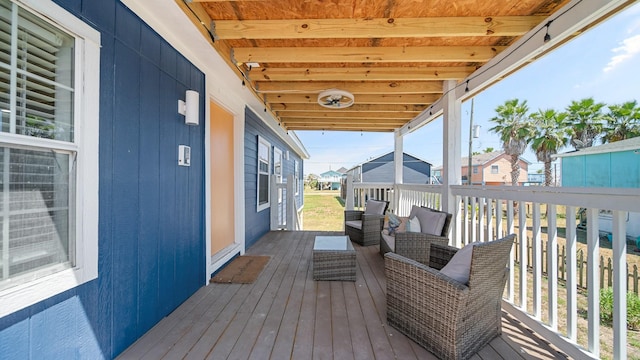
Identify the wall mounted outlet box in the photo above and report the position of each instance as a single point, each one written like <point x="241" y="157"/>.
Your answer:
<point x="184" y="155"/>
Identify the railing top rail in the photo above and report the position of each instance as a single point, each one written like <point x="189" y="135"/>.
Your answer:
<point x="421" y="187"/>
<point x="623" y="199"/>
<point x="372" y="185"/>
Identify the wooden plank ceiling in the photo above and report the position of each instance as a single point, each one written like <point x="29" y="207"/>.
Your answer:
<point x="392" y="55"/>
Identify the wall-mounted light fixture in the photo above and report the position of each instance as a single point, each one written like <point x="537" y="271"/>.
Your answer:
<point x="190" y="107"/>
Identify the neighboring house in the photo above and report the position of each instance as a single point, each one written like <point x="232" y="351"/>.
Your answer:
<point x="330" y="180"/>
<point x="126" y="209"/>
<point x="492" y="168"/>
<point x="611" y="165"/>
<point x="382" y="170"/>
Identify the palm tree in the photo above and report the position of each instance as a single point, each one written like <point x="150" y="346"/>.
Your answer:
<point x="549" y="135"/>
<point x="623" y="122"/>
<point x="514" y="128"/>
<point x="585" y="118"/>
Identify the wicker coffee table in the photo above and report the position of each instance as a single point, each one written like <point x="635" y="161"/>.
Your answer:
<point x="334" y="258"/>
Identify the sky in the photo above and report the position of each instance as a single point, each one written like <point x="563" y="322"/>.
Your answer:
<point x="603" y="63"/>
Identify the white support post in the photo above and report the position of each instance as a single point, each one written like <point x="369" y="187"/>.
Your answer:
<point x="349" y="194"/>
<point x="619" y="285"/>
<point x="593" y="282"/>
<point x="398" y="162"/>
<point x="451" y="149"/>
<point x="572" y="274"/>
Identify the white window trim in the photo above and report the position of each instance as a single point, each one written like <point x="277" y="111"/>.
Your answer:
<point x="86" y="100"/>
<point x="260" y="207"/>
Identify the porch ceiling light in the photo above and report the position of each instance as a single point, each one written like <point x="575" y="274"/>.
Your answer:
<point x="335" y="99"/>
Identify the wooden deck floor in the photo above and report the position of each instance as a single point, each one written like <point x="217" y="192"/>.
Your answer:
<point x="286" y="314"/>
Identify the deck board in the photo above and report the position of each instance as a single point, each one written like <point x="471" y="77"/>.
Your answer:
<point x="286" y="314"/>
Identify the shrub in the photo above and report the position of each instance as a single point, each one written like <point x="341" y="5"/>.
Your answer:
<point x="633" y="308"/>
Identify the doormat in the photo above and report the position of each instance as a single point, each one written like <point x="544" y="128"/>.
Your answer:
<point x="242" y="270"/>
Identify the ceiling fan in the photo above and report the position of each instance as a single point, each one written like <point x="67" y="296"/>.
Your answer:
<point x="335" y="99"/>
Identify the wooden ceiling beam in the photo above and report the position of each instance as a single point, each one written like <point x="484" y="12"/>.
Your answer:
<point x="362" y="73"/>
<point x="418" y="99"/>
<point x="337" y="114"/>
<point x="341" y="127"/>
<point x="375" y="28"/>
<point x="359" y="122"/>
<point x="418" y="54"/>
<point x="282" y="108"/>
<point x="397" y="87"/>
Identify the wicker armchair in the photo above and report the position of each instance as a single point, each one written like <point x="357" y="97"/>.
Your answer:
<point x="364" y="227"/>
<point x="414" y="245"/>
<point x="450" y="319"/>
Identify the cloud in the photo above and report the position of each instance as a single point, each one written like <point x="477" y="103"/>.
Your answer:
<point x="630" y="47"/>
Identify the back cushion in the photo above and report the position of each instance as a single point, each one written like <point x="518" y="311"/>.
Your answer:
<point x="375" y="207"/>
<point x="431" y="222"/>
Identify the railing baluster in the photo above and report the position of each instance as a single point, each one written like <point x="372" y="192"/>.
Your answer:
<point x="512" y="270"/>
<point x="465" y="220"/>
<point x="572" y="274"/>
<point x="489" y="227"/>
<point x="537" y="262"/>
<point x="619" y="286"/>
<point x="593" y="297"/>
<point x="524" y="250"/>
<point x="552" y="265"/>
<point x="472" y="223"/>
<point x="480" y="224"/>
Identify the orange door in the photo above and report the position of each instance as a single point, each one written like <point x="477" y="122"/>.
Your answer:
<point x="222" y="179"/>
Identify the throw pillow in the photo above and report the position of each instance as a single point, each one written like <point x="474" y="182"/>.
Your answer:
<point x="375" y="207"/>
<point x="393" y="222"/>
<point x="431" y="222"/>
<point x="459" y="266"/>
<point x="413" y="225"/>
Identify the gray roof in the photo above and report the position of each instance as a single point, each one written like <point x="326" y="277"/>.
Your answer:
<point x="622" y="145"/>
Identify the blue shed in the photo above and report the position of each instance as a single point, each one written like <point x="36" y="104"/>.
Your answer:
<point x="612" y="165"/>
<point x="615" y="165"/>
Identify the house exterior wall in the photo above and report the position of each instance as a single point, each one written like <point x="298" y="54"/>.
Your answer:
<point x="414" y="171"/>
<point x="151" y="222"/>
<point x="258" y="223"/>
<point x="503" y="177"/>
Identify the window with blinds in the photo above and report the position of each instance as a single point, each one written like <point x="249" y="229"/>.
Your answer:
<point x="264" y="163"/>
<point x="37" y="149"/>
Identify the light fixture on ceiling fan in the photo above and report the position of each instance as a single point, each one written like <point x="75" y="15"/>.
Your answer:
<point x="335" y="99"/>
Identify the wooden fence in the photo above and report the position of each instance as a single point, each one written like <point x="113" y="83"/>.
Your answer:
<point x="606" y="267"/>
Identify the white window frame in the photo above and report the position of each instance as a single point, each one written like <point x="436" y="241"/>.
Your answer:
<point x="85" y="145"/>
<point x="296" y="175"/>
<point x="497" y="169"/>
<point x="278" y="158"/>
<point x="263" y="142"/>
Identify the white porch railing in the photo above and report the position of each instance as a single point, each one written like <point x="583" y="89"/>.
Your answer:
<point x="285" y="212"/>
<point x="487" y="212"/>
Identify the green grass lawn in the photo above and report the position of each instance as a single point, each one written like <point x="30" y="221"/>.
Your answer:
<point x="323" y="210"/>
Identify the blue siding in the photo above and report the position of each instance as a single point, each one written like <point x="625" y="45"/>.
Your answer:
<point x="151" y="224"/>
<point x="258" y="223"/>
